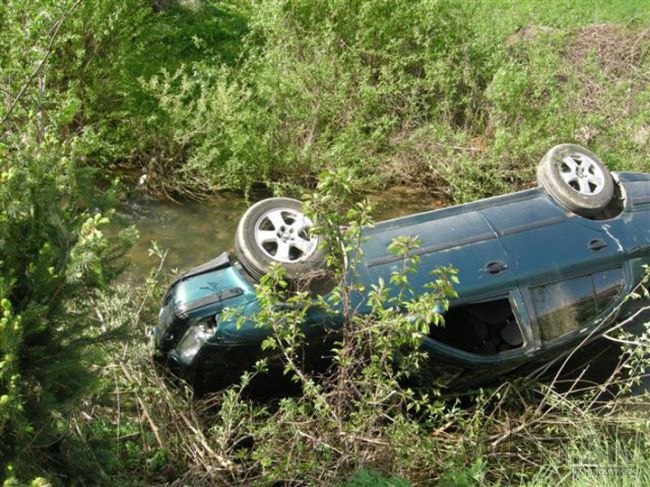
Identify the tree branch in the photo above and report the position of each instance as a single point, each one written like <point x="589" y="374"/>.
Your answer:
<point x="50" y="46"/>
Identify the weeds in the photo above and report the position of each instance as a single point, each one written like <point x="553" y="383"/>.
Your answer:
<point x="207" y="96"/>
<point x="518" y="432"/>
<point x="462" y="103"/>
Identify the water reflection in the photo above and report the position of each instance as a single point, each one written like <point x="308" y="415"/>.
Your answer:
<point x="191" y="232"/>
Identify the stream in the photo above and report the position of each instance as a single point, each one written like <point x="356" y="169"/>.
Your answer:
<point x="195" y="232"/>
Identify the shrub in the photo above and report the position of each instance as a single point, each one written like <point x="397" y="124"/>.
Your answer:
<point x="54" y="252"/>
<point x="55" y="255"/>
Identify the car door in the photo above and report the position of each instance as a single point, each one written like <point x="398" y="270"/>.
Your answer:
<point x="545" y="243"/>
<point x="462" y="239"/>
<point x="569" y="311"/>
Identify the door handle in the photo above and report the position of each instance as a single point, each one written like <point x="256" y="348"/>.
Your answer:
<point x="495" y="267"/>
<point x="596" y="244"/>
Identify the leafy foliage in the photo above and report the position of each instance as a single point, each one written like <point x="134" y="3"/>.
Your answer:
<point x="209" y="96"/>
<point x="374" y="350"/>
<point x="206" y="96"/>
<point x="55" y="254"/>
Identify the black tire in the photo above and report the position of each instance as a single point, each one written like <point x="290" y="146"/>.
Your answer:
<point x="257" y="257"/>
<point x="576" y="179"/>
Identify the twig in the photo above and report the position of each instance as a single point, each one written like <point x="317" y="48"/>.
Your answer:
<point x="145" y="411"/>
<point x="119" y="408"/>
<point x="595" y="332"/>
<point x="622" y="341"/>
<point x="55" y="31"/>
<point x="136" y="317"/>
<point x="320" y="442"/>
<point x="372" y="441"/>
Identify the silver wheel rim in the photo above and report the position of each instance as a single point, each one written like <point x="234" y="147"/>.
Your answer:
<point x="283" y="235"/>
<point x="582" y="174"/>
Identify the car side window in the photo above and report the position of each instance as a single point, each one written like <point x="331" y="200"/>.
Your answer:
<point x="608" y="286"/>
<point x="484" y="328"/>
<point x="566" y="306"/>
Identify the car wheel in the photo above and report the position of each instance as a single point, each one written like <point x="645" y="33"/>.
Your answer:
<point x="275" y="230"/>
<point x="576" y="178"/>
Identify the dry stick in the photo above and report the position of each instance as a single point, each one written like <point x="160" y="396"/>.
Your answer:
<point x="39" y="66"/>
<point x="622" y="363"/>
<point x="620" y="340"/>
<point x="320" y="442"/>
<point x="570" y="355"/>
<point x="145" y="411"/>
<point x="587" y="338"/>
<point x="136" y="317"/>
<point x="119" y="408"/>
<point x="601" y="388"/>
<point x="505" y="385"/>
<point x="225" y="463"/>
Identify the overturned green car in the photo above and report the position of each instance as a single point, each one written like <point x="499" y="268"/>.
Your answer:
<point x="540" y="270"/>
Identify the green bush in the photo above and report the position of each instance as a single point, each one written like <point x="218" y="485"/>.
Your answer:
<point x="324" y="84"/>
<point x="208" y="96"/>
<point x="332" y="84"/>
<point x="55" y="256"/>
<point x="54" y="253"/>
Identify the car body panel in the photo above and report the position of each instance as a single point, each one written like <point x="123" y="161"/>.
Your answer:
<point x="443" y="242"/>
<point x="201" y="293"/>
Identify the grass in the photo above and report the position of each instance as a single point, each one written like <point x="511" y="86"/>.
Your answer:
<point x="597" y="458"/>
<point x="573" y="13"/>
